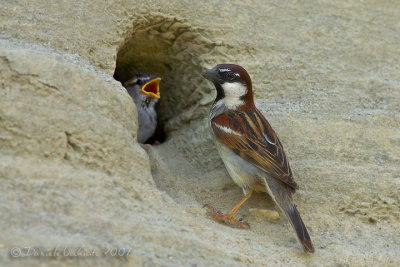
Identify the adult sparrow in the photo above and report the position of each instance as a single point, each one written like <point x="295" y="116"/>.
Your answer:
<point x="250" y="148"/>
<point x="144" y="88"/>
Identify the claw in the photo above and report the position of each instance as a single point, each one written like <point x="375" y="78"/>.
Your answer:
<point x="219" y="216"/>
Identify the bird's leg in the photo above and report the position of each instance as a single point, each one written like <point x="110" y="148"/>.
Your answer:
<point x="229" y="217"/>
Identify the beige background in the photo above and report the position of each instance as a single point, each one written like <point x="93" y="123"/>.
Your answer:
<point x="325" y="74"/>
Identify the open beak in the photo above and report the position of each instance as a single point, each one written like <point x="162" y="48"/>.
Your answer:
<point x="152" y="88"/>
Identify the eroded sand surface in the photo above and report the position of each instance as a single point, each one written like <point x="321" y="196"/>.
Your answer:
<point x="326" y="76"/>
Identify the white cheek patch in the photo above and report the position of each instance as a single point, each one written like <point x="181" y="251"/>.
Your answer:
<point x="227" y="130"/>
<point x="233" y="93"/>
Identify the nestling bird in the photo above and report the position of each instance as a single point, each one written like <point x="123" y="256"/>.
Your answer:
<point x="250" y="148"/>
<point x="144" y="88"/>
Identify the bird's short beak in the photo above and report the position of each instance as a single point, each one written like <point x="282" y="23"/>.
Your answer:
<point x="209" y="75"/>
<point x="152" y="88"/>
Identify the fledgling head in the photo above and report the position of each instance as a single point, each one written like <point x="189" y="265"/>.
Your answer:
<point x="144" y="88"/>
<point x="233" y="85"/>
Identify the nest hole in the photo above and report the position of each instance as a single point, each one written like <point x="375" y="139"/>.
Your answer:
<point x="171" y="49"/>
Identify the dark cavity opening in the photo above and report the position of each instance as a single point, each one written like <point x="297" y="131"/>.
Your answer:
<point x="171" y="49"/>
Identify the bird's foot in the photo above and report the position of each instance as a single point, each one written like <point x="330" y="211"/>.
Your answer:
<point x="219" y="216"/>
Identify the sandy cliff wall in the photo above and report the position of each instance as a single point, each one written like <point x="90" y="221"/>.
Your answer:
<point x="326" y="75"/>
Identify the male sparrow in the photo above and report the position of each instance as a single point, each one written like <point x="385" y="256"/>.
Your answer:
<point x="144" y="88"/>
<point x="250" y="148"/>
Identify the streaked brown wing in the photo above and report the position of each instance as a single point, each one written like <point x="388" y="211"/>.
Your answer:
<point x="249" y="135"/>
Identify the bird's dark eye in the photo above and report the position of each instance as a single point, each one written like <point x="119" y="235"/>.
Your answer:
<point x="230" y="76"/>
<point x="139" y="81"/>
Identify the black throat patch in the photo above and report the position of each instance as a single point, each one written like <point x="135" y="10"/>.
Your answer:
<point x="220" y="92"/>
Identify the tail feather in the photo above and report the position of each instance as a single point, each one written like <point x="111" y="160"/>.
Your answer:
<point x="282" y="196"/>
<point x="300" y="228"/>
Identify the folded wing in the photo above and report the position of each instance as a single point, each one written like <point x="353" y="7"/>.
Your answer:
<point x="248" y="134"/>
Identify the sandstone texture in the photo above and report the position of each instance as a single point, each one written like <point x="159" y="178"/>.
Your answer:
<point x="325" y="74"/>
